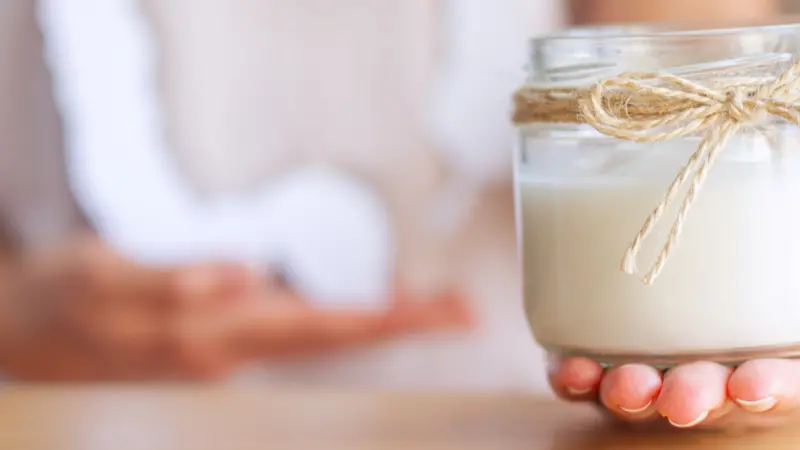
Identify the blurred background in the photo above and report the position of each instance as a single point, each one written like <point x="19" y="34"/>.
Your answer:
<point x="188" y="130"/>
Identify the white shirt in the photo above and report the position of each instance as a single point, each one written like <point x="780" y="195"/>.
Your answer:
<point x="187" y="129"/>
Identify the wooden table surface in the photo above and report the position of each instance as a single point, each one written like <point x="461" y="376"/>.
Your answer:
<point x="177" y="418"/>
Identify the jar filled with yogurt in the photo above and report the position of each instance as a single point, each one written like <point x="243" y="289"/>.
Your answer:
<point x="657" y="181"/>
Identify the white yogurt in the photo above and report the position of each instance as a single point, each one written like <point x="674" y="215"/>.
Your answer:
<point x="733" y="283"/>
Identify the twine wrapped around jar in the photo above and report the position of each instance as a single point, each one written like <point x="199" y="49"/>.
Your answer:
<point x="651" y="107"/>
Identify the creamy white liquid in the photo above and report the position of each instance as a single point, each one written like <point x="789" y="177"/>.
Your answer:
<point x="732" y="283"/>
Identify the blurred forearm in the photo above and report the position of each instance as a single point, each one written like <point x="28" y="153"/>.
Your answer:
<point x="604" y="11"/>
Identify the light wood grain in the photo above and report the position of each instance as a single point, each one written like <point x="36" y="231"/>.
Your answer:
<point x="122" y="418"/>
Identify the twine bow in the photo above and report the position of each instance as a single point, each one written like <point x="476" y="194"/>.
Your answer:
<point x="632" y="107"/>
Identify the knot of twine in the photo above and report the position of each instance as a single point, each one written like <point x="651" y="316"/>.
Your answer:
<point x="741" y="111"/>
<point x="653" y="107"/>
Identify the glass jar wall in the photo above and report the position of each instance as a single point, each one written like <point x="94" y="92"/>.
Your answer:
<point x="730" y="289"/>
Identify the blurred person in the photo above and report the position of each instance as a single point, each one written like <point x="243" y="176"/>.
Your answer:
<point x="401" y="109"/>
<point x="75" y="305"/>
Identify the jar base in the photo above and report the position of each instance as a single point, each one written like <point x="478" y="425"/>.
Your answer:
<point x="732" y="357"/>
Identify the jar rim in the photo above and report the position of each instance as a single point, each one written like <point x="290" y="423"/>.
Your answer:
<point x="584" y="54"/>
<point x="661" y="30"/>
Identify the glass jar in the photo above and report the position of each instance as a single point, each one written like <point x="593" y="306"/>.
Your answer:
<point x="729" y="289"/>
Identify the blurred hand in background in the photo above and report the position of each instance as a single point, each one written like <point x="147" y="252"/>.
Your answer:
<point x="84" y="312"/>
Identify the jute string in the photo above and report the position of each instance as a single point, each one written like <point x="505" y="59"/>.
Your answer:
<point x="653" y="107"/>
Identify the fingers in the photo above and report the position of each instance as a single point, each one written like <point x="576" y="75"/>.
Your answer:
<point x="187" y="286"/>
<point x="140" y="298"/>
<point x="192" y="348"/>
<point x="449" y="312"/>
<point x="630" y="391"/>
<point x="766" y="385"/>
<point x="202" y="302"/>
<point x="698" y="394"/>
<point x="295" y="328"/>
<point x="169" y="321"/>
<point x="140" y="319"/>
<point x="575" y="378"/>
<point x="693" y="392"/>
<point x="687" y="396"/>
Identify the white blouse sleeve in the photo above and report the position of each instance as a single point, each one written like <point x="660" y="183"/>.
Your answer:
<point x="102" y="56"/>
<point x="331" y="232"/>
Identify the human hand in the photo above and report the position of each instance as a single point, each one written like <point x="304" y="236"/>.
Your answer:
<point x="86" y="313"/>
<point x="288" y="327"/>
<point x="702" y="394"/>
<point x="83" y="312"/>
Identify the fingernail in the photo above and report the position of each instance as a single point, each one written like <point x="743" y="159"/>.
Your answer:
<point x="634" y="411"/>
<point x="578" y="392"/>
<point x="695" y="422"/>
<point x="757" y="406"/>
